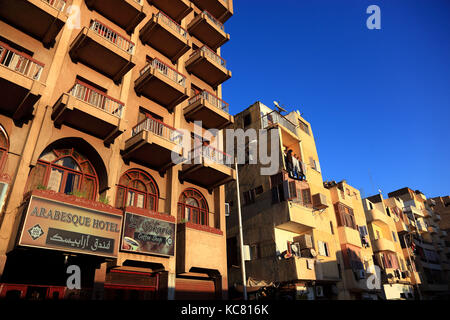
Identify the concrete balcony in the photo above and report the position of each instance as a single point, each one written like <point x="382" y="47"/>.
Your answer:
<point x="287" y="128"/>
<point x="221" y="9"/>
<point x="208" y="30"/>
<point x="208" y="167"/>
<point x="208" y="66"/>
<point x="210" y="109"/>
<point x="437" y="217"/>
<point x="442" y="233"/>
<point x="176" y="9"/>
<point x="377" y="216"/>
<point x="104" y="50"/>
<point x="41" y="19"/>
<point x="401" y="226"/>
<point x="19" y="83"/>
<point x="166" y="36"/>
<point x="194" y="243"/>
<point x="383" y="245"/>
<point x="125" y="13"/>
<point x="294" y="217"/>
<point x="153" y="137"/>
<point x="414" y="210"/>
<point x="297" y="268"/>
<point x="162" y="84"/>
<point x="90" y="110"/>
<point x="350" y="236"/>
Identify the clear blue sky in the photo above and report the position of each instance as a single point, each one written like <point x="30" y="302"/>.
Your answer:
<point x="378" y="100"/>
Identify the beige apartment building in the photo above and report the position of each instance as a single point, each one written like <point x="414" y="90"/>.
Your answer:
<point x="289" y="222"/>
<point x="95" y="97"/>
<point x="441" y="208"/>
<point x="387" y="227"/>
<point x="359" y="274"/>
<point x="427" y="240"/>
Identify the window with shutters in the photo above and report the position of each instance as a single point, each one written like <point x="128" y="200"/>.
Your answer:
<point x="254" y="251"/>
<point x="249" y="197"/>
<point x="323" y="248"/>
<point x="345" y="216"/>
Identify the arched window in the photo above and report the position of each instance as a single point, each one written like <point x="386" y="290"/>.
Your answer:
<point x="66" y="171"/>
<point x="192" y="206"/>
<point x="4" y="147"/>
<point x="137" y="189"/>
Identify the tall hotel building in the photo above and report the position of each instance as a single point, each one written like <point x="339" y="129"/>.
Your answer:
<point x="94" y="94"/>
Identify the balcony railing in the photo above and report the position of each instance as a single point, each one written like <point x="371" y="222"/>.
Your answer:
<point x="112" y="36"/>
<point x="214" y="20"/>
<point x="159" y="128"/>
<point x="20" y="62"/>
<point x="212" y="154"/>
<point x="212" y="99"/>
<point x="212" y="55"/>
<point x="172" y="24"/>
<point x="165" y="70"/>
<point x="57" y="4"/>
<point x="275" y="118"/>
<point x="97" y="98"/>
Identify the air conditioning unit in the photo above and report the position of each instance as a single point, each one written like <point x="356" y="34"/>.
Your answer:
<point x="305" y="241"/>
<point x="227" y="209"/>
<point x="319" y="291"/>
<point x="319" y="201"/>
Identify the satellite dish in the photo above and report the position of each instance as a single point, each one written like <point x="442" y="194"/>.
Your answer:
<point x="280" y="109"/>
<point x="313" y="253"/>
<point x="295" y="249"/>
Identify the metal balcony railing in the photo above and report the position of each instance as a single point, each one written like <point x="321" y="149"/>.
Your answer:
<point x="159" y="128"/>
<point x="214" y="20"/>
<point x="57" y="4"/>
<point x="97" y="98"/>
<point x="212" y="154"/>
<point x="212" y="99"/>
<point x="172" y="24"/>
<point x="165" y="70"/>
<point x="275" y="118"/>
<point x="20" y="62"/>
<point x="212" y="55"/>
<point x="112" y="36"/>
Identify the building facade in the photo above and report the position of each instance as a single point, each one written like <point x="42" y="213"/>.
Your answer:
<point x="386" y="229"/>
<point x="359" y="278"/>
<point x="289" y="224"/>
<point x="97" y="96"/>
<point x="427" y="241"/>
<point x="441" y="209"/>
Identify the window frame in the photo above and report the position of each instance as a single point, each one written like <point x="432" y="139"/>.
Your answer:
<point x="147" y="195"/>
<point x="84" y="176"/>
<point x="202" y="212"/>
